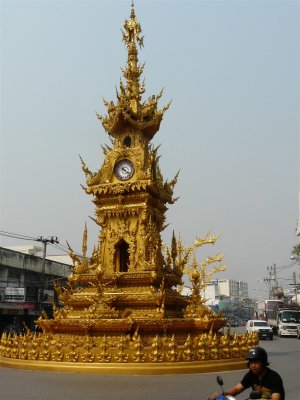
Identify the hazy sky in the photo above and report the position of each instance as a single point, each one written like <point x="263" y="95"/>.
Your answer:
<point x="231" y="69"/>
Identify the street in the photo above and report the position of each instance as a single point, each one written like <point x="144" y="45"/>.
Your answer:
<point x="284" y="356"/>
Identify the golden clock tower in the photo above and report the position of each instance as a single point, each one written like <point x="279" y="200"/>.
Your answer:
<point x="129" y="192"/>
<point x="122" y="309"/>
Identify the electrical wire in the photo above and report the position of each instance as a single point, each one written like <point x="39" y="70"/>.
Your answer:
<point x="58" y="246"/>
<point x="62" y="248"/>
<point x="292" y="264"/>
<point x="17" y="236"/>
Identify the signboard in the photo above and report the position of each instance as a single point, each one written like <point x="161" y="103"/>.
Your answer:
<point x="14" y="295"/>
<point x="28" y="306"/>
<point x="48" y="296"/>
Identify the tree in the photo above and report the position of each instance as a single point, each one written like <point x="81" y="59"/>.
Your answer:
<point x="296" y="250"/>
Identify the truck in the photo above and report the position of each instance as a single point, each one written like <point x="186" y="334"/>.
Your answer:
<point x="282" y="316"/>
<point x="267" y="311"/>
<point x="288" y="321"/>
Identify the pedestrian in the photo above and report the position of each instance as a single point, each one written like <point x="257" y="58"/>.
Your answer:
<point x="259" y="377"/>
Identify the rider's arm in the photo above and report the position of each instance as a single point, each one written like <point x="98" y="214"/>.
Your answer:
<point x="232" y="391"/>
<point x="236" y="390"/>
<point x="276" y="396"/>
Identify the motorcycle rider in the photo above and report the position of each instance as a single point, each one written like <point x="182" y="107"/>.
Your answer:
<point x="260" y="377"/>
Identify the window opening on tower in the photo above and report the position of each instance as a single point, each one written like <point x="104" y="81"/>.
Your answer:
<point x="127" y="141"/>
<point x="122" y="256"/>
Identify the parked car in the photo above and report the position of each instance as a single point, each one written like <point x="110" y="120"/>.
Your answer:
<point x="261" y="327"/>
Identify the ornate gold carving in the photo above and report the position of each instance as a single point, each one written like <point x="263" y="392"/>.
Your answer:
<point x="123" y="304"/>
<point x="104" y="349"/>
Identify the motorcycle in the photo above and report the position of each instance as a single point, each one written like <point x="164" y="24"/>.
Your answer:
<point x="253" y="395"/>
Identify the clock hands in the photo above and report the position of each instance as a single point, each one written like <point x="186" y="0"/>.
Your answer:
<point x="124" y="169"/>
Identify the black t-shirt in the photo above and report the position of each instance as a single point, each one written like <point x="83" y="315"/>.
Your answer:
<point x="270" y="383"/>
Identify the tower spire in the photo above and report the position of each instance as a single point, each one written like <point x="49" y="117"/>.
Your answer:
<point x="132" y="72"/>
<point x="129" y="112"/>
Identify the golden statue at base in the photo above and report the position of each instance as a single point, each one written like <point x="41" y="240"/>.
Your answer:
<point x="123" y="306"/>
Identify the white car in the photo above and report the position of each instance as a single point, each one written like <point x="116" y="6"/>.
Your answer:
<point x="261" y="327"/>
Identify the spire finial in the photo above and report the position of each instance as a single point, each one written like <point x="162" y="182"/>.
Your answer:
<point x="132" y="36"/>
<point x="132" y="30"/>
<point x="132" y="14"/>
<point x="141" y="115"/>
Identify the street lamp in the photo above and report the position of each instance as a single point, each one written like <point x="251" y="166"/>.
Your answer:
<point x="297" y="259"/>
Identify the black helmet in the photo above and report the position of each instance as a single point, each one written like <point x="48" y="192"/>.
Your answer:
<point x="258" y="353"/>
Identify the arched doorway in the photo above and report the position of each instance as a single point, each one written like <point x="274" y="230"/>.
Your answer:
<point x="122" y="256"/>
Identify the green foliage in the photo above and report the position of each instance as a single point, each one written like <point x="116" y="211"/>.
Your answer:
<point x="296" y="250"/>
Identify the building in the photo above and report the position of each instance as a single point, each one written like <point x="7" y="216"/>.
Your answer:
<point x="231" y="298"/>
<point x="27" y="286"/>
<point x="225" y="288"/>
<point x="38" y="251"/>
<point x="232" y="288"/>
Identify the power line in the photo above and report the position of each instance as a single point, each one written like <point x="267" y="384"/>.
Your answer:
<point x="292" y="264"/>
<point x="16" y="236"/>
<point x="63" y="248"/>
<point x="57" y="245"/>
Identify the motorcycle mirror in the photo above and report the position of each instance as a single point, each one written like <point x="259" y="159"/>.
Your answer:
<point x="255" y="395"/>
<point x="220" y="380"/>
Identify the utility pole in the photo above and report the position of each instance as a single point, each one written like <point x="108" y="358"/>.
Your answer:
<point x="295" y="286"/>
<point x="45" y="241"/>
<point x="272" y="277"/>
<point x="275" y="276"/>
<point x="268" y="282"/>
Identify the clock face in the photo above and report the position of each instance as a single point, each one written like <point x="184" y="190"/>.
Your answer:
<point x="124" y="169"/>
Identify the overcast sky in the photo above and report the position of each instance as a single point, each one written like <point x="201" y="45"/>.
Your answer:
<point x="231" y="69"/>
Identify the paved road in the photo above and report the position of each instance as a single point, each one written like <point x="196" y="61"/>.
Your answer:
<point x="284" y="354"/>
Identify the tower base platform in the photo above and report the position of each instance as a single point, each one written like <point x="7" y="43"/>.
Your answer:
<point x="128" y="368"/>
